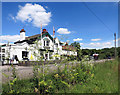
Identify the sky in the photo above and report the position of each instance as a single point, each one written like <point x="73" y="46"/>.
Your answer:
<point x="92" y="24"/>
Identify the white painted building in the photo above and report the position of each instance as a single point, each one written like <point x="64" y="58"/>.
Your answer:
<point x="25" y="49"/>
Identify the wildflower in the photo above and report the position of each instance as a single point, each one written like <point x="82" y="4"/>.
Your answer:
<point x="92" y="75"/>
<point x="11" y="83"/>
<point x="65" y="83"/>
<point x="72" y="77"/>
<point x="11" y="91"/>
<point x="73" y="70"/>
<point x="76" y="74"/>
<point x="62" y="75"/>
<point x="56" y="76"/>
<point x="42" y="83"/>
<point x="15" y="80"/>
<point x="56" y="64"/>
<point x="46" y="90"/>
<point x="36" y="90"/>
<point x="50" y="86"/>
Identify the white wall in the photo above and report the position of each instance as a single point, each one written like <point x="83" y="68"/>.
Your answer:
<point x="16" y="49"/>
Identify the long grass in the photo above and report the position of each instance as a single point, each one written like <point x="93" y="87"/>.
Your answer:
<point x="105" y="80"/>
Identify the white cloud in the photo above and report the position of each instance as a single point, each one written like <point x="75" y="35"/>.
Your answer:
<point x="36" y="14"/>
<point x="2" y="43"/>
<point x="78" y="39"/>
<point x="9" y="38"/>
<point x="51" y="35"/>
<point x="95" y="39"/>
<point x="117" y="40"/>
<point x="68" y="41"/>
<point x="100" y="45"/>
<point x="63" y="31"/>
<point x="81" y="43"/>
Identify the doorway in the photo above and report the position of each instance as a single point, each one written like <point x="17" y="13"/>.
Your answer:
<point x="46" y="56"/>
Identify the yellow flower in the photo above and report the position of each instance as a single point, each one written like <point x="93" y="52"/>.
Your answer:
<point x="42" y="83"/>
<point x="56" y="55"/>
<point x="31" y="57"/>
<point x="62" y="75"/>
<point x="56" y="76"/>
<point x="92" y="75"/>
<point x="36" y="90"/>
<point x="72" y="77"/>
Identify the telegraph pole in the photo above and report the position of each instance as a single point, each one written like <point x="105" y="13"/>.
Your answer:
<point x="115" y="44"/>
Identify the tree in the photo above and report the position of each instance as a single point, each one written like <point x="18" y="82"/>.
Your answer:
<point x="118" y="52"/>
<point x="79" y="53"/>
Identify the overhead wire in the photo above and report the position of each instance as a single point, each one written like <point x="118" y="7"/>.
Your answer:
<point x="97" y="16"/>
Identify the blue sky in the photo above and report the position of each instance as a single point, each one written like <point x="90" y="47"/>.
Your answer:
<point x="72" y="21"/>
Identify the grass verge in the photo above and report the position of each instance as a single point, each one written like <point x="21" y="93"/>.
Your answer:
<point x="105" y="80"/>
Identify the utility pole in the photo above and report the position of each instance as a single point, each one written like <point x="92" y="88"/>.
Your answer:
<point x="115" y="45"/>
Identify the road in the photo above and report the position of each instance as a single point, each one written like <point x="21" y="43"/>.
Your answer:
<point x="27" y="71"/>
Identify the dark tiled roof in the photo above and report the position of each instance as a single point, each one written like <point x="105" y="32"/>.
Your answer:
<point x="31" y="39"/>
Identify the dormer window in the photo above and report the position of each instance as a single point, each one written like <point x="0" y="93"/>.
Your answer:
<point x="46" y="42"/>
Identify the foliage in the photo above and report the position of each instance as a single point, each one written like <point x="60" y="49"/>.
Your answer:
<point x="71" y="58"/>
<point x="12" y="83"/>
<point x="61" y="79"/>
<point x="104" y="80"/>
<point x="104" y="53"/>
<point x="77" y="46"/>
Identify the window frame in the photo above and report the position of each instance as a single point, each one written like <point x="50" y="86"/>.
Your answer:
<point x="3" y="50"/>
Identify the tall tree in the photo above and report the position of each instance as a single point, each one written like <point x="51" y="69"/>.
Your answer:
<point x="77" y="46"/>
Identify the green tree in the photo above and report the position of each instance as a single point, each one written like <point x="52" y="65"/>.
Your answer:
<point x="79" y="52"/>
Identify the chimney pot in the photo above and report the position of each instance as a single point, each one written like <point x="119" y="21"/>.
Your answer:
<point x="44" y="31"/>
<point x="22" y="30"/>
<point x="22" y="34"/>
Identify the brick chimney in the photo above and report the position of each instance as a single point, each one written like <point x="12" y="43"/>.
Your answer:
<point x="44" y="31"/>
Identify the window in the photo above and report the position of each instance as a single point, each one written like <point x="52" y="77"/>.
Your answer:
<point x="56" y="45"/>
<point x="41" y="53"/>
<point x="44" y="43"/>
<point x="47" y="43"/>
<point x="3" y="56"/>
<point x="24" y="54"/>
<point x="46" y="56"/>
<point x="3" y="50"/>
